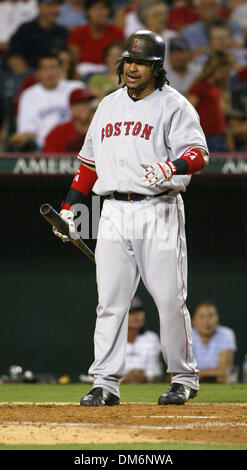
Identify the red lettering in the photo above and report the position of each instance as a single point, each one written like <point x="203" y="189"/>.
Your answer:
<point x="109" y="130"/>
<point x="115" y="129"/>
<point x="146" y="131"/>
<point x="137" y="128"/>
<point x="117" y="126"/>
<point x="128" y="124"/>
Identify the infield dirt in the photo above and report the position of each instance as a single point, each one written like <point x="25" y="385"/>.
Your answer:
<point x="56" y="423"/>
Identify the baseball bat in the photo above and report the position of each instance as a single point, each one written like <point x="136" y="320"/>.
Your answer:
<point x="52" y="216"/>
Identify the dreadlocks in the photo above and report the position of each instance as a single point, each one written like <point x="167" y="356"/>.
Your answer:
<point x="160" y="79"/>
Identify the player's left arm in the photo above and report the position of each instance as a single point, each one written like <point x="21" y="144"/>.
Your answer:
<point x="191" y="161"/>
<point x="182" y="125"/>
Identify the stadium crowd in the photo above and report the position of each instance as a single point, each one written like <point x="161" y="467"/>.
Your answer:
<point x="58" y="60"/>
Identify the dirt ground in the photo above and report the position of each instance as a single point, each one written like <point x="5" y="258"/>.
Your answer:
<point x="62" y="423"/>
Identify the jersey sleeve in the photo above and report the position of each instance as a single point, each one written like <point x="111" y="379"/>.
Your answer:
<point x="184" y="131"/>
<point x="87" y="152"/>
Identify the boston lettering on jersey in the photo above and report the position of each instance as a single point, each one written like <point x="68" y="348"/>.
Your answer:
<point x="127" y="128"/>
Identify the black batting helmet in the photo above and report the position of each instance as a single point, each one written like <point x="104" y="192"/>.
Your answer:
<point x="146" y="45"/>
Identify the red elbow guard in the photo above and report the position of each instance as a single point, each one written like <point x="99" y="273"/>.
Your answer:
<point x="84" y="179"/>
<point x="194" y="159"/>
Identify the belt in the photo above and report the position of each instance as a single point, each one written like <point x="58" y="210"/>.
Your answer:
<point x="131" y="197"/>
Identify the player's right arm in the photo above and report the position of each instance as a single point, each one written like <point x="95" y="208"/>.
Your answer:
<point x="82" y="183"/>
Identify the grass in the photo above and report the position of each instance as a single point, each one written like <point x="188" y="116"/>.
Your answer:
<point x="210" y="393"/>
<point x="165" y="446"/>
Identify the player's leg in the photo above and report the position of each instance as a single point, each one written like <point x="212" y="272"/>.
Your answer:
<point x="162" y="262"/>
<point x="117" y="280"/>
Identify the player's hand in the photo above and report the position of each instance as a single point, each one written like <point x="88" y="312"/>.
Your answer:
<point x="68" y="217"/>
<point x="158" y="173"/>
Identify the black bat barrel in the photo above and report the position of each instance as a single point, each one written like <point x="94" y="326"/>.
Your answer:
<point x="52" y="216"/>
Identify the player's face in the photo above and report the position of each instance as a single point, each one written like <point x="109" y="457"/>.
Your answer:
<point x="138" y="76"/>
<point x="205" y="320"/>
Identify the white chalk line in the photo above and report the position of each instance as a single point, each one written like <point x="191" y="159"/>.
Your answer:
<point x="176" y="417"/>
<point x="126" y="426"/>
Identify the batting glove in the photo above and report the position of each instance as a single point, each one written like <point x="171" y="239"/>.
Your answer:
<point x="158" y="173"/>
<point x="68" y="217"/>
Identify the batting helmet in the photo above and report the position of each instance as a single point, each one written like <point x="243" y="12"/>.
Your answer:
<point x="145" y="45"/>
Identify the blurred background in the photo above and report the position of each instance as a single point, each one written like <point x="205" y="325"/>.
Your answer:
<point x="68" y="51"/>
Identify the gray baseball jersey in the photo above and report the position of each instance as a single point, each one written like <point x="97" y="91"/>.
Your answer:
<point x="124" y="134"/>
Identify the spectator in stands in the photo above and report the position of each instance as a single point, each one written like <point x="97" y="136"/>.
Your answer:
<point x="237" y="118"/>
<point x="69" y="136"/>
<point x="213" y="345"/>
<point x="221" y="39"/>
<point x="239" y="15"/>
<point x="238" y="130"/>
<point x="43" y="105"/>
<point x="143" y="348"/>
<point x="12" y="14"/>
<point x="207" y="94"/>
<point x="153" y="14"/>
<point x="89" y="41"/>
<point x="67" y="63"/>
<point x="182" y="14"/>
<point x="36" y="37"/>
<point x="72" y="14"/>
<point x="238" y="122"/>
<point x="68" y="72"/>
<point x="103" y="83"/>
<point x="127" y="18"/>
<point x="240" y="79"/>
<point x="181" y="72"/>
<point x="196" y="33"/>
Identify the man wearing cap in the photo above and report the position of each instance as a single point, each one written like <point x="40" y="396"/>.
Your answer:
<point x="69" y="136"/>
<point x="181" y="71"/>
<point x="142" y="362"/>
<point x="36" y="37"/>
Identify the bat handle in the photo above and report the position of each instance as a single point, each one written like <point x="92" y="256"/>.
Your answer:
<point x="52" y="216"/>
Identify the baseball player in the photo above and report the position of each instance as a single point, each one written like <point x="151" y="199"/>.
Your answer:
<point x="141" y="148"/>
